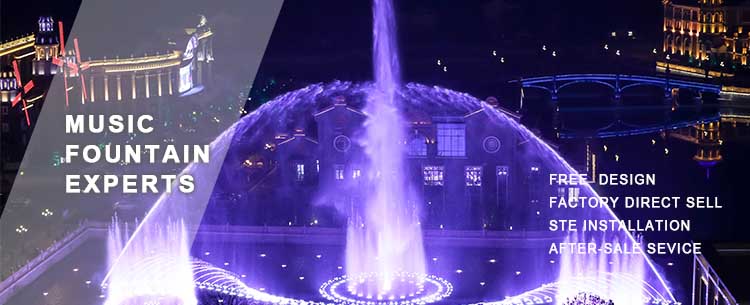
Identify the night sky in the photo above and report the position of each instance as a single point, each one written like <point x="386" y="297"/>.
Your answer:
<point x="322" y="40"/>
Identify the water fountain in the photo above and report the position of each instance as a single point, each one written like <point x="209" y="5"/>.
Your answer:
<point x="384" y="252"/>
<point x="384" y="238"/>
<point x="622" y="274"/>
<point x="164" y="274"/>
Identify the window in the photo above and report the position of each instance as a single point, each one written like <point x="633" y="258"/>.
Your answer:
<point x="451" y="140"/>
<point x="502" y="185"/>
<point x="573" y="193"/>
<point x="473" y="175"/>
<point x="356" y="173"/>
<point x="300" y="171"/>
<point x="502" y="170"/>
<point x="417" y="146"/>
<point x="338" y="171"/>
<point x="433" y="175"/>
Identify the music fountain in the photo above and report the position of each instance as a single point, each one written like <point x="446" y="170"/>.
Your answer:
<point x="388" y="240"/>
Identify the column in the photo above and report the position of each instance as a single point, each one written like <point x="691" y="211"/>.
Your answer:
<point x="91" y="91"/>
<point x="158" y="83"/>
<point x="132" y="85"/>
<point x="106" y="88"/>
<point x="169" y="81"/>
<point x="148" y="93"/>
<point x="119" y="88"/>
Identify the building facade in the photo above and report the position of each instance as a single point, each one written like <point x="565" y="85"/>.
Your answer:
<point x="466" y="171"/>
<point x="713" y="32"/>
<point x="94" y="85"/>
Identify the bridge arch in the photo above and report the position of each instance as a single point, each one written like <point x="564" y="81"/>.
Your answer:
<point x="586" y="80"/>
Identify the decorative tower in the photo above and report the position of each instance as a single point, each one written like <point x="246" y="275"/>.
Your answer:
<point x="46" y="47"/>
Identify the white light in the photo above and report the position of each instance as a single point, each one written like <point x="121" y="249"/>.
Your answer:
<point x="670" y="264"/>
<point x="459" y="271"/>
<point x="301" y="278"/>
<point x="45" y="293"/>
<point x="492" y="261"/>
<point x="75" y="269"/>
<point x="207" y="253"/>
<point x="283" y="266"/>
<point x="318" y="256"/>
<point x="518" y="272"/>
<point x="552" y="261"/>
<point x="481" y="283"/>
<point x="434" y="259"/>
<point x="262" y="255"/>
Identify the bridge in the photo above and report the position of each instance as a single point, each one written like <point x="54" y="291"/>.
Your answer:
<point x="619" y="83"/>
<point x="616" y="82"/>
<point x="622" y="129"/>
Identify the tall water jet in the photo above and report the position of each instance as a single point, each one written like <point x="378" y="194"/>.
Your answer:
<point x="384" y="237"/>
<point x="157" y="269"/>
<point x="618" y="277"/>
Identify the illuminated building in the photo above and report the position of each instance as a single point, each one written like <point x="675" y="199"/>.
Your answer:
<point x="466" y="175"/>
<point x="707" y="30"/>
<point x="183" y="70"/>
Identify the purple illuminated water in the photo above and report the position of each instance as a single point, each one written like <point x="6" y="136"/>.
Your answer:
<point x="156" y="269"/>
<point x="618" y="277"/>
<point x="384" y="236"/>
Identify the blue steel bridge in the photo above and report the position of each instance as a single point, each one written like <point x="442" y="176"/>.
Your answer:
<point x="617" y="85"/>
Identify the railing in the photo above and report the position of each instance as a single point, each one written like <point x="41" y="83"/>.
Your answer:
<point x="42" y="257"/>
<point x="715" y="279"/>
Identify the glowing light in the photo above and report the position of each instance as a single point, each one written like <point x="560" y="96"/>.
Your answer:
<point x="418" y="289"/>
<point x="492" y="261"/>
